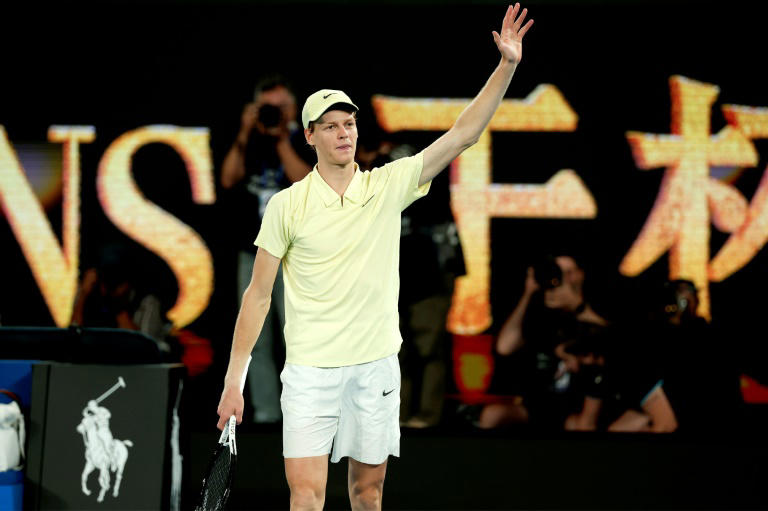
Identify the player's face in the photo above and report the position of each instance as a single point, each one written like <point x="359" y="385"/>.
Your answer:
<point x="335" y="137"/>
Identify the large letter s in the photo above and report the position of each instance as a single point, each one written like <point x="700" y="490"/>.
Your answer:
<point x="162" y="233"/>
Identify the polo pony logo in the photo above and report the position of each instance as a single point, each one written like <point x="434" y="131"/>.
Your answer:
<point x="102" y="451"/>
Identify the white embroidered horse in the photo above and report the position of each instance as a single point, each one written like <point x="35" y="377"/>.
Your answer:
<point x="102" y="452"/>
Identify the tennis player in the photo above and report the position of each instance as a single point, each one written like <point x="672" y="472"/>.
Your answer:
<point x="337" y="234"/>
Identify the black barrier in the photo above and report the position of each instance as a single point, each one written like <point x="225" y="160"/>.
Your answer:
<point x="444" y="470"/>
<point x="104" y="423"/>
<point x="78" y="345"/>
<point x="104" y="437"/>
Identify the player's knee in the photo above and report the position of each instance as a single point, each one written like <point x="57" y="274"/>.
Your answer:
<point x="366" y="496"/>
<point x="306" y="497"/>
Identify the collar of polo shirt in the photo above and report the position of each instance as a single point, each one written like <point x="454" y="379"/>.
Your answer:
<point x="353" y="193"/>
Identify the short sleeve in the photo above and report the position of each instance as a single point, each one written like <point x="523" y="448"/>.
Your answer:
<point x="404" y="177"/>
<point x="274" y="234"/>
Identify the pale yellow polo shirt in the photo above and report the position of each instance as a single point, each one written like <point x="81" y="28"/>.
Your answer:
<point x="340" y="262"/>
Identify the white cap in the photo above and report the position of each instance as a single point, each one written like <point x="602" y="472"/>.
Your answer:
<point x="319" y="102"/>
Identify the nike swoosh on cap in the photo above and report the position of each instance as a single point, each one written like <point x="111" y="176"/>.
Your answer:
<point x="326" y="96"/>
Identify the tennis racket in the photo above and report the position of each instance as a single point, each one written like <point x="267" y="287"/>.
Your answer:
<point x="217" y="483"/>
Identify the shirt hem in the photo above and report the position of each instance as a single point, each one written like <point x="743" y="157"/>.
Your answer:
<point x="364" y="360"/>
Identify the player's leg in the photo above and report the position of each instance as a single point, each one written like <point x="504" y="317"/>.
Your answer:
<point x="369" y="428"/>
<point x="310" y="402"/>
<point x="366" y="485"/>
<point x="306" y="479"/>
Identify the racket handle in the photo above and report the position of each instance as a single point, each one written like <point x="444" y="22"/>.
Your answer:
<point x="231" y="439"/>
<point x="225" y="431"/>
<point x="229" y="429"/>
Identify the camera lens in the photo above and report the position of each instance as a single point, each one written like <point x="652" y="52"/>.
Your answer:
<point x="270" y="116"/>
<point x="547" y="273"/>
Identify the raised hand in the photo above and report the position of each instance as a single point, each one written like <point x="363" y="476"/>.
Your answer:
<point x="531" y="285"/>
<point x="510" y="42"/>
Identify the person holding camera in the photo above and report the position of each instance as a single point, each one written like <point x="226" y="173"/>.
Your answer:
<point x="533" y="361"/>
<point x="269" y="153"/>
<point x="668" y="370"/>
<point x="693" y="382"/>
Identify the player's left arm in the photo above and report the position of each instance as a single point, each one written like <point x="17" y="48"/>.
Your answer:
<point x="473" y="120"/>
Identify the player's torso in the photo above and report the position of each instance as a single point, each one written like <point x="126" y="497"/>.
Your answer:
<point x="341" y="277"/>
<point x="353" y="241"/>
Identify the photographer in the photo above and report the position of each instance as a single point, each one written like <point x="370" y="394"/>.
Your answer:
<point x="668" y="372"/>
<point x="694" y="384"/>
<point x="620" y="383"/>
<point x="268" y="155"/>
<point x="269" y="152"/>
<point x="551" y="314"/>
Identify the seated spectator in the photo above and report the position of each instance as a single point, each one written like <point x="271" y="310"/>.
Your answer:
<point x="621" y="387"/>
<point x="589" y="356"/>
<point x="109" y="296"/>
<point x="551" y="314"/>
<point x="668" y="373"/>
<point x="697" y="384"/>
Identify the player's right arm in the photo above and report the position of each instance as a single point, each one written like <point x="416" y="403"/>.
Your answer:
<point x="253" y="310"/>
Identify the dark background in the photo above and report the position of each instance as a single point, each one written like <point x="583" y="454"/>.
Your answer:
<point x="122" y="65"/>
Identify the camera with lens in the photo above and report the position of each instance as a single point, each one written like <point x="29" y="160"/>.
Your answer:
<point x="547" y="273"/>
<point x="270" y="115"/>
<point x="676" y="297"/>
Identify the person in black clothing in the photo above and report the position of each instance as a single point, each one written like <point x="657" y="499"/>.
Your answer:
<point x="697" y="376"/>
<point x="111" y="294"/>
<point x="533" y="361"/>
<point x="673" y="372"/>
<point x="428" y="233"/>
<point x="620" y="383"/>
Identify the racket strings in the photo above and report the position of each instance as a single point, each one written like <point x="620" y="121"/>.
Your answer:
<point x="217" y="483"/>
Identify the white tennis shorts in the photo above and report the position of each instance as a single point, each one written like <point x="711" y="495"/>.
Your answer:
<point x="354" y="409"/>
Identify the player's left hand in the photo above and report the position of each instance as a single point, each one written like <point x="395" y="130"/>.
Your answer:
<point x="510" y="42"/>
